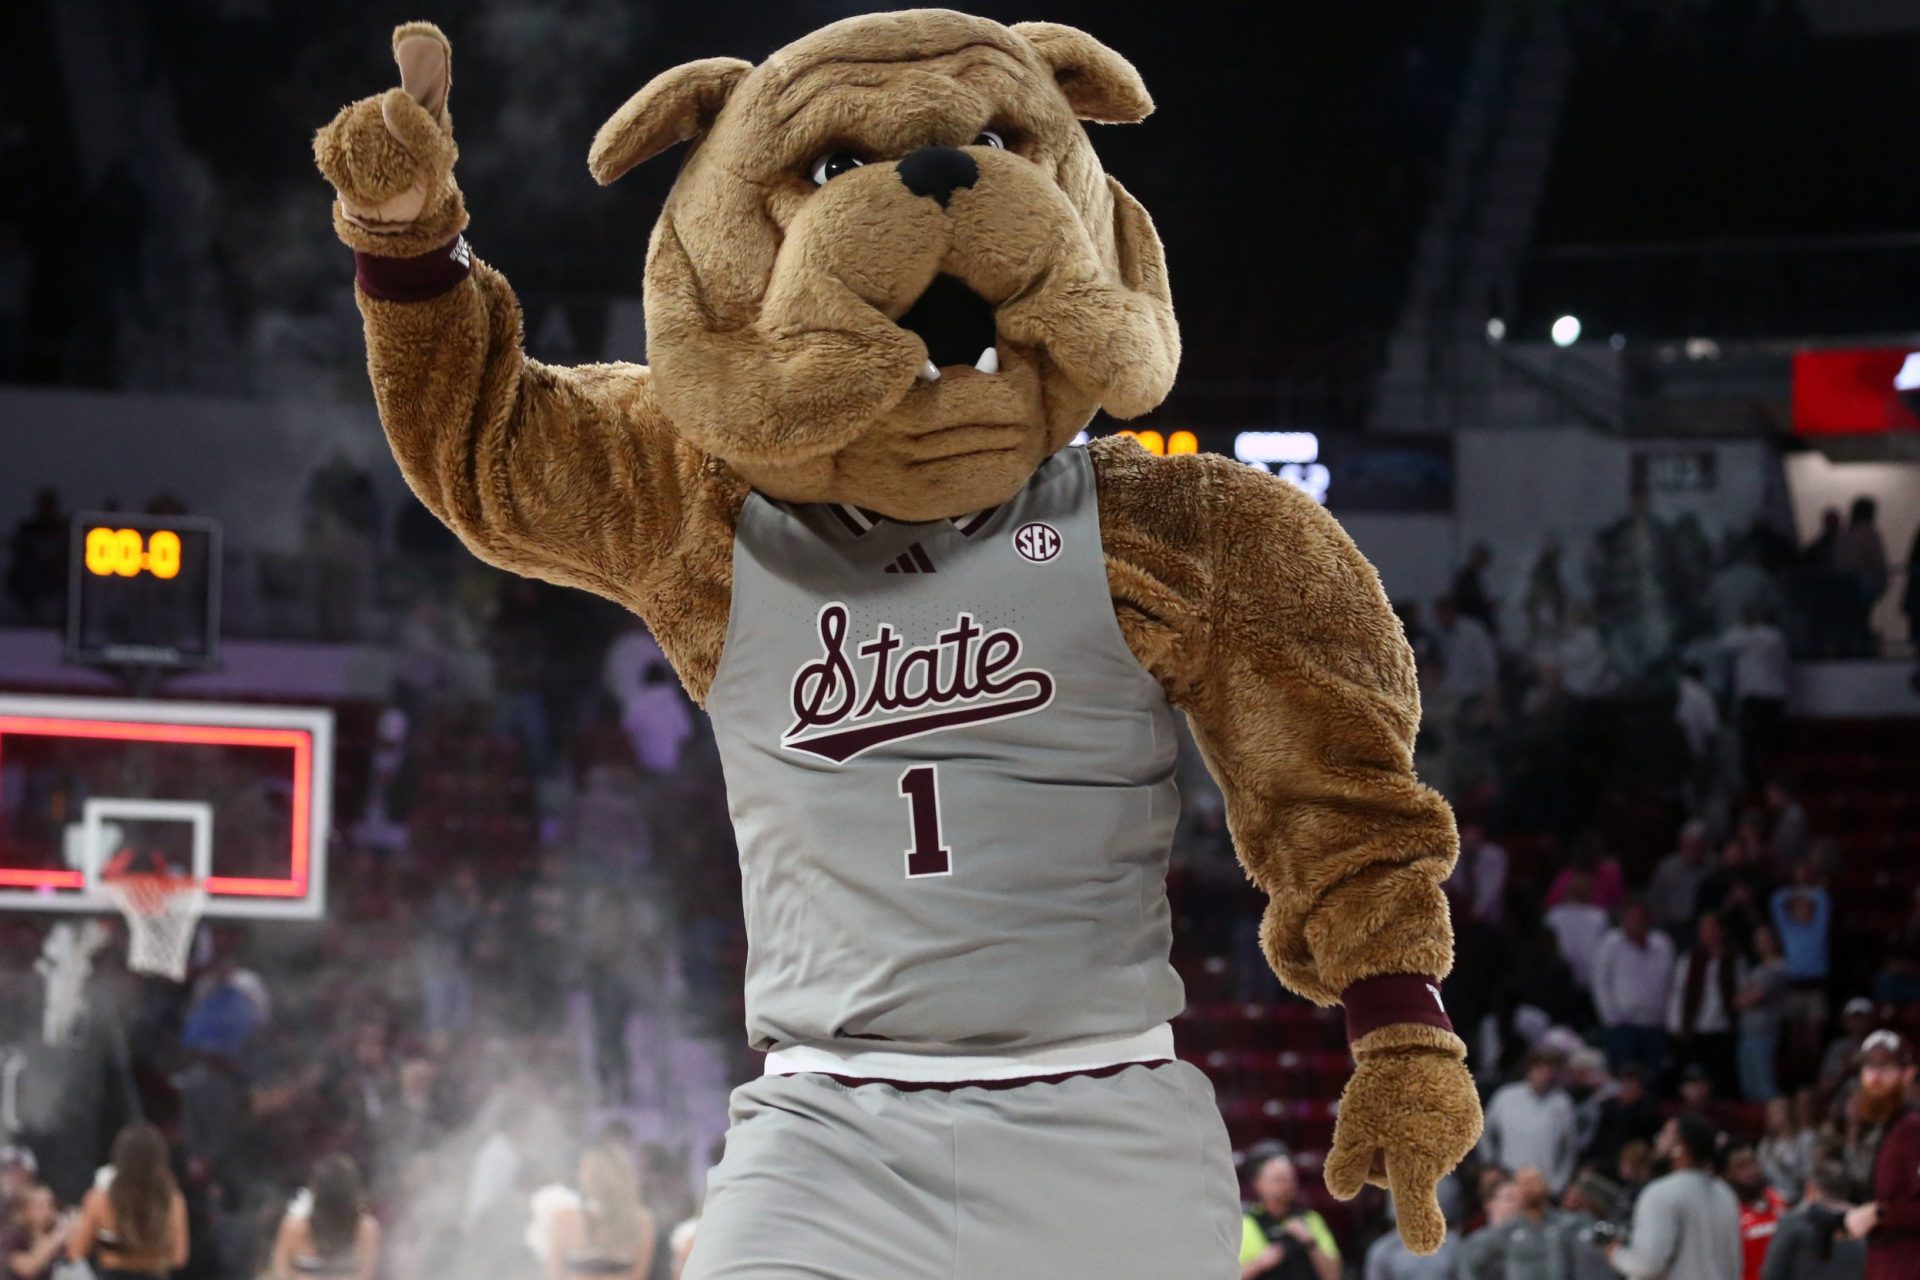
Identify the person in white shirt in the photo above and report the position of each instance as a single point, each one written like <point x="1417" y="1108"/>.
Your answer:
<point x="1530" y="1121"/>
<point x="1579" y="926"/>
<point x="653" y="711"/>
<point x="1632" y="971"/>
<point x="1761" y="665"/>
<point x="1470" y="665"/>
<point x="1479" y="879"/>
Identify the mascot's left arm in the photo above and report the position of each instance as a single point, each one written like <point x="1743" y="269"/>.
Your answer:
<point x="1267" y="626"/>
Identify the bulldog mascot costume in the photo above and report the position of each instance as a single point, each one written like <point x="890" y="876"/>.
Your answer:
<point x="940" y="644"/>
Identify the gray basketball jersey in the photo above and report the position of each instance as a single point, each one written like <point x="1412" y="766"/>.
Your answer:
<point x="950" y="779"/>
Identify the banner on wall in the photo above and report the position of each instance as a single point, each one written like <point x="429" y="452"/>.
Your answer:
<point x="1855" y="392"/>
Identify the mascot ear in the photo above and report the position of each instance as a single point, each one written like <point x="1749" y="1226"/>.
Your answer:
<point x="1100" y="85"/>
<point x="675" y="105"/>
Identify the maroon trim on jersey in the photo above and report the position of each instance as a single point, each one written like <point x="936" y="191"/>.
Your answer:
<point x="974" y="521"/>
<point x="846" y="519"/>
<point x="917" y="1086"/>
<point x="416" y="279"/>
<point x="1391" y="998"/>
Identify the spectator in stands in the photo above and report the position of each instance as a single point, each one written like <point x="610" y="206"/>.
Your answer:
<point x="137" y="1222"/>
<point x="1910" y="598"/>
<point x="1279" y="1240"/>
<point x="1698" y="715"/>
<point x="1804" y="1247"/>
<point x="1524" y="1245"/>
<point x="1589" y="856"/>
<point x="1585" y="666"/>
<point x="328" y="1232"/>
<point x="1860" y="554"/>
<point x="1686" y="1225"/>
<point x="1632" y="971"/>
<point x="1592" y="1198"/>
<point x="611" y="1234"/>
<point x="1737" y="890"/>
<point x="1530" y="1122"/>
<point x="1842" y="1056"/>
<point x="34" y="1235"/>
<point x="1579" y="925"/>
<point x="1802" y="916"/>
<point x="1760" y="670"/>
<point x="653" y="711"/>
<point x="18" y="1173"/>
<point x="37" y="566"/>
<point x="1760" y="1005"/>
<point x="1898" y="981"/>
<point x="1630" y="1115"/>
<point x="1546" y="603"/>
<point x="1701" y="1014"/>
<point x="1789" y="837"/>
<point x="1890" y="1221"/>
<point x="1760" y="1206"/>
<point x="1786" y="1150"/>
<point x="1470" y="667"/>
<point x="1479" y="879"/>
<point x="1470" y="589"/>
<point x="1480" y="1253"/>
<point x="1677" y="879"/>
<point x="1388" y="1258"/>
<point x="1825" y="592"/>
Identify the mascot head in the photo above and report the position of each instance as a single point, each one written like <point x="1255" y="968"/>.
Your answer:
<point x="891" y="271"/>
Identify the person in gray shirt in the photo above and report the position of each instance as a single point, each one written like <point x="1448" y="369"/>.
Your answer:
<point x="1810" y="1244"/>
<point x="1686" y="1226"/>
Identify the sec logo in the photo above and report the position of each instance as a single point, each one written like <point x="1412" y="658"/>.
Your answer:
<point x="1036" y="542"/>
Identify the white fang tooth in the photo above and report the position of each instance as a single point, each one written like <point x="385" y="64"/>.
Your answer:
<point x="989" y="361"/>
<point x="929" y="372"/>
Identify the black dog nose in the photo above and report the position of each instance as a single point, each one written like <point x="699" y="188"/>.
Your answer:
<point x="938" y="172"/>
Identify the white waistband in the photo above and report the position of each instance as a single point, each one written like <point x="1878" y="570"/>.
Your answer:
<point x="846" y="1058"/>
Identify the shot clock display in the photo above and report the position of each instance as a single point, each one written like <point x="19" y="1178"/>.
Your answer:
<point x="144" y="590"/>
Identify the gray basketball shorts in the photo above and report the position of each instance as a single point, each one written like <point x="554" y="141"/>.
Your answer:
<point x="1120" y="1177"/>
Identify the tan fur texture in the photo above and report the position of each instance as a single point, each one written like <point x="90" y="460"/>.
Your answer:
<point x="776" y="364"/>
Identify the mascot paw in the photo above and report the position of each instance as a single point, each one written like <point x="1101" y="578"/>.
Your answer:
<point x="390" y="157"/>
<point x="1407" y="1117"/>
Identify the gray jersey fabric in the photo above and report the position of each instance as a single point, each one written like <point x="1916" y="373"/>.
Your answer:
<point x="950" y="779"/>
<point x="1121" y="1177"/>
<point x="1686" y="1226"/>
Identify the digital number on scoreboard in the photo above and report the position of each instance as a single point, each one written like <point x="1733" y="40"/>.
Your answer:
<point x="144" y="590"/>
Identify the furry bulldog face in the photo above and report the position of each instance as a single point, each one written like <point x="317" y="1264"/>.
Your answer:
<point x="892" y="272"/>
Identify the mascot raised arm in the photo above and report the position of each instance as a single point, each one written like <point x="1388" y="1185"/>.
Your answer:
<point x="941" y="645"/>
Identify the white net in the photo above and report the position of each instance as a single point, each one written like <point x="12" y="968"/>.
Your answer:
<point x="161" y="913"/>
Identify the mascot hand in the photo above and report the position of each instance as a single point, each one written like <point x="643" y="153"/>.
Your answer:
<point x="1407" y="1117"/>
<point x="390" y="157"/>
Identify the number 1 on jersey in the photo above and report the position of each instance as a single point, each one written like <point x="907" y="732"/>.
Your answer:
<point x="927" y="856"/>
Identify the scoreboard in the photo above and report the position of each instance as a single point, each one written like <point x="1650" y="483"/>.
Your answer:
<point x="144" y="590"/>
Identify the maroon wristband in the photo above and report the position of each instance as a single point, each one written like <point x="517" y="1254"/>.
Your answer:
<point x="1390" y="998"/>
<point x="413" y="279"/>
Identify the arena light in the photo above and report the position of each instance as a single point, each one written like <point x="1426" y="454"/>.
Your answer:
<point x="1566" y="331"/>
<point x="1496" y="329"/>
<point x="1269" y="448"/>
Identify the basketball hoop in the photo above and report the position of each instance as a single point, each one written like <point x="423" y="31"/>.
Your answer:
<point x="162" y="911"/>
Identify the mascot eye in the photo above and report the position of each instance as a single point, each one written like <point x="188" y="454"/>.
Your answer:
<point x="832" y="165"/>
<point x="988" y="138"/>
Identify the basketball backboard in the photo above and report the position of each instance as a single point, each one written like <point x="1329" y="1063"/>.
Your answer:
<point x="235" y="795"/>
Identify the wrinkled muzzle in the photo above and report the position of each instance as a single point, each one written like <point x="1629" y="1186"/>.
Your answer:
<point x="873" y="277"/>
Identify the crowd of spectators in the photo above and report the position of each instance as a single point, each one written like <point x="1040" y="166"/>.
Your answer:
<point x="532" y="943"/>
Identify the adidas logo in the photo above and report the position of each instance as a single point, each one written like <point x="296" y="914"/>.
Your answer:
<point x="912" y="560"/>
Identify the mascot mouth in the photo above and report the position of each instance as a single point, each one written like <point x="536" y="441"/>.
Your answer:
<point x="957" y="326"/>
